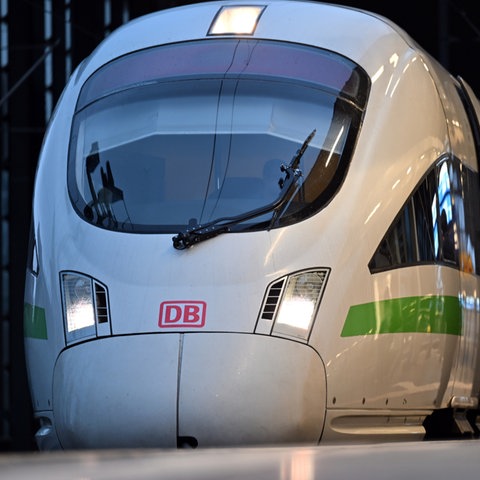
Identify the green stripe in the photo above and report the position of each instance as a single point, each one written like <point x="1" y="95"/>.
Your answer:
<point x="34" y="322"/>
<point x="428" y="314"/>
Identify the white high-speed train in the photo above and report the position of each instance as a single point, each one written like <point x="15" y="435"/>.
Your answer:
<point x="256" y="222"/>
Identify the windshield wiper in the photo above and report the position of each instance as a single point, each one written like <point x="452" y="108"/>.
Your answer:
<point x="199" y="233"/>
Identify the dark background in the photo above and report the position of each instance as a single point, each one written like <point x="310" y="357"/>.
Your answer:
<point x="41" y="42"/>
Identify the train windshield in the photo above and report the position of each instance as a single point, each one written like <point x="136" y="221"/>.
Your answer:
<point x="177" y="136"/>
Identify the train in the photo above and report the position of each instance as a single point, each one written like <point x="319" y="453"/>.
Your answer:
<point x="256" y="222"/>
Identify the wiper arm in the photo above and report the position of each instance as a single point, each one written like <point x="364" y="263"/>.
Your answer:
<point x="199" y="233"/>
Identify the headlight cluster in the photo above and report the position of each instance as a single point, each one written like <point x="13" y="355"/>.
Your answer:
<point x="291" y="304"/>
<point x="288" y="310"/>
<point x="85" y="307"/>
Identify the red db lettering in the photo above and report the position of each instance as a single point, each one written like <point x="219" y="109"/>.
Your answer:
<point x="192" y="313"/>
<point x="182" y="314"/>
<point x="173" y="313"/>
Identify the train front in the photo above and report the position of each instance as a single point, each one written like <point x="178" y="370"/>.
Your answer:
<point x="162" y="312"/>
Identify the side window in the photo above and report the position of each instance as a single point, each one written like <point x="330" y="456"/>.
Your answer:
<point x="425" y="230"/>
<point x="425" y="237"/>
<point x="470" y="235"/>
<point x="32" y="259"/>
<point x="447" y="247"/>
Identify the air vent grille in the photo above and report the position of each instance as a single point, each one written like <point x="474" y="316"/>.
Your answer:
<point x="272" y="300"/>
<point x="101" y="303"/>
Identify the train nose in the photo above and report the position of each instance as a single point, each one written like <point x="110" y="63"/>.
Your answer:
<point x="239" y="389"/>
<point x="208" y="389"/>
<point x="117" y="392"/>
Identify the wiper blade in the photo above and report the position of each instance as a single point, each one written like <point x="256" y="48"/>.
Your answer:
<point x="292" y="169"/>
<point x="199" y="233"/>
<point x="292" y="174"/>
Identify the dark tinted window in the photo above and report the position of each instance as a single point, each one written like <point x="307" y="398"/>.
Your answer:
<point x="427" y="229"/>
<point x="228" y="57"/>
<point x="470" y="235"/>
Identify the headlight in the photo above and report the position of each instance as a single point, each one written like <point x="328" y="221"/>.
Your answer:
<point x="292" y="303"/>
<point x="85" y="306"/>
<point x="236" y="19"/>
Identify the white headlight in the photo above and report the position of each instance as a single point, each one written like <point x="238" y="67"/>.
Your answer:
<point x="299" y="303"/>
<point x="79" y="312"/>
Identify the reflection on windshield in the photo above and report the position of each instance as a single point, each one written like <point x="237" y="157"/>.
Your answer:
<point x="101" y="207"/>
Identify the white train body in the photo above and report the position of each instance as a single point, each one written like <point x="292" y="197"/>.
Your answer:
<point x="347" y="311"/>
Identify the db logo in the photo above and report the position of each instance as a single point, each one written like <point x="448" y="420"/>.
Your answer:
<point x="187" y="314"/>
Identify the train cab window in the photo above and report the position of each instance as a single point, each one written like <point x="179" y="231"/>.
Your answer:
<point x="427" y="229"/>
<point x="179" y="135"/>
